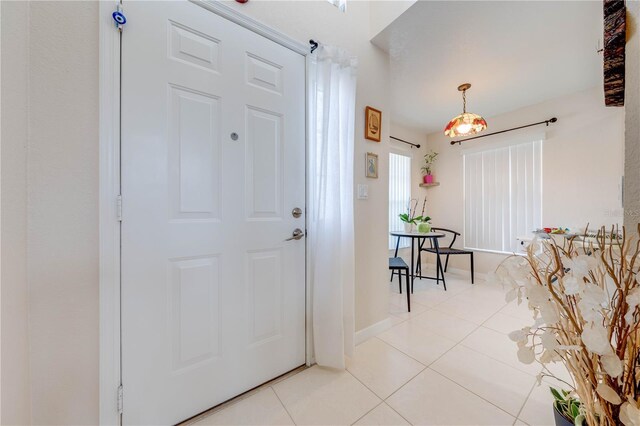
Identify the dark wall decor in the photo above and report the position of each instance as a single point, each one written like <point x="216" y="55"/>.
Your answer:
<point x="615" y="16"/>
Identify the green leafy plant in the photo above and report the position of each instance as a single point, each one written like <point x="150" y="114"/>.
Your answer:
<point x="429" y="159"/>
<point x="405" y="218"/>
<point x="568" y="406"/>
<point x="410" y="215"/>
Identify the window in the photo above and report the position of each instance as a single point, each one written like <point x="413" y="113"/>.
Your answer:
<point x="503" y="196"/>
<point x="399" y="194"/>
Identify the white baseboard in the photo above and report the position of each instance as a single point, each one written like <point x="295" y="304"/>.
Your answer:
<point x="372" y="330"/>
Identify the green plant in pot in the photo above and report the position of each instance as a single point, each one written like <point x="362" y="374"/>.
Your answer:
<point x="567" y="410"/>
<point x="409" y="221"/>
<point x="429" y="159"/>
<point x="424" y="225"/>
<point x="409" y="218"/>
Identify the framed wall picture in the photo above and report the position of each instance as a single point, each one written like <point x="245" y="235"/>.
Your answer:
<point x="371" y="165"/>
<point x="372" y="124"/>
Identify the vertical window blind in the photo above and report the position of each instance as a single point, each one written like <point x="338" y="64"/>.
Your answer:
<point x="399" y="194"/>
<point x="503" y="196"/>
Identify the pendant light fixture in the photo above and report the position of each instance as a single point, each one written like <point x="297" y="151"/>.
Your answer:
<point x="467" y="123"/>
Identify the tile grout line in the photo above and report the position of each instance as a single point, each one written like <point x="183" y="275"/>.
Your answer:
<point x="396" y="411"/>
<point x="438" y="333"/>
<point x="286" y="410"/>
<point x="469" y="390"/>
<point x="362" y="416"/>
<point x="525" y="401"/>
<point x="473" y="393"/>
<point x="404" y="353"/>
<point x="383" y="400"/>
<point x="480" y="396"/>
<point x="403" y="385"/>
<point x="450" y="379"/>
<point x="498" y="360"/>
<point x="459" y="343"/>
<point x="516" y="417"/>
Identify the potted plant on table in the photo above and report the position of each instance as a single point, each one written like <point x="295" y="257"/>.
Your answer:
<point x="585" y="300"/>
<point x="429" y="159"/>
<point x="409" y="218"/>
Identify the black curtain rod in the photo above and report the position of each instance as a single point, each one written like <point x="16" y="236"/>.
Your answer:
<point x="403" y="141"/>
<point x="313" y="44"/>
<point x="547" y="122"/>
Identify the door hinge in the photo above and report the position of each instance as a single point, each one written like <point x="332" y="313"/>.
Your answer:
<point x="120" y="399"/>
<point x="119" y="207"/>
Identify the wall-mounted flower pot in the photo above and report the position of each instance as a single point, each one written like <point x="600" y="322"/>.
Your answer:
<point x="427" y="178"/>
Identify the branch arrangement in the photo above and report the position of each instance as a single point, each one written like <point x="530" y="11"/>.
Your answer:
<point x="584" y="298"/>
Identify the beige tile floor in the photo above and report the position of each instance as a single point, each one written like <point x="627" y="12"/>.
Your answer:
<point x="448" y="362"/>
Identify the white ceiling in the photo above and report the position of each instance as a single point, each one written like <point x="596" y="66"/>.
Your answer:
<point x="514" y="53"/>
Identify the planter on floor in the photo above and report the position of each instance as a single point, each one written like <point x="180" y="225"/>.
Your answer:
<point x="560" y="419"/>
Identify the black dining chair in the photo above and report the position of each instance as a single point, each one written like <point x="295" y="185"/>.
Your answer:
<point x="397" y="264"/>
<point x="445" y="251"/>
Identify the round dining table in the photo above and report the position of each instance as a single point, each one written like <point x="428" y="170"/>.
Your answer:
<point x="421" y="238"/>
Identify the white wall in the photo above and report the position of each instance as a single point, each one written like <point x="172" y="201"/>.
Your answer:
<point x="15" y="385"/>
<point x="50" y="163"/>
<point x="319" y="20"/>
<point x="582" y="167"/>
<point x="632" y="120"/>
<point x="382" y="13"/>
<point x="63" y="211"/>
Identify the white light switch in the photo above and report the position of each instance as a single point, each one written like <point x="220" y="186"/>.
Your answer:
<point x="363" y="192"/>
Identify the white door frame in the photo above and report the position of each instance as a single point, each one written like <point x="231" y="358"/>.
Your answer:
<point x="109" y="191"/>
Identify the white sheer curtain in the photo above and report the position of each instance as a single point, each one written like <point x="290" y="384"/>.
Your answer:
<point x="332" y="93"/>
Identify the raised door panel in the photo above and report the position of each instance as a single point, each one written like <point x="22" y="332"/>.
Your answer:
<point x="264" y="283"/>
<point x="263" y="174"/>
<point x="194" y="294"/>
<point x="194" y="154"/>
<point x="193" y="47"/>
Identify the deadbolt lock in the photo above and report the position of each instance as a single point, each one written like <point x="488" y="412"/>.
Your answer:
<point x="297" y="212"/>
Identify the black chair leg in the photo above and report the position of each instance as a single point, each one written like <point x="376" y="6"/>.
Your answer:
<point x="408" y="294"/>
<point x="471" y="268"/>
<point x="446" y="263"/>
<point x="400" y="281"/>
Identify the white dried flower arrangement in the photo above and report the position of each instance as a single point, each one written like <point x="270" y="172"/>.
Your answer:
<point x="584" y="300"/>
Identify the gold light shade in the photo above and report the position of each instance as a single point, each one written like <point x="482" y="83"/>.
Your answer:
<point x="467" y="123"/>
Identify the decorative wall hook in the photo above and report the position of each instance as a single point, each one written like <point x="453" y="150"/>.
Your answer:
<point x="119" y="18"/>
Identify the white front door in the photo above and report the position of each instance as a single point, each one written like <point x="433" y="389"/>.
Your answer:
<point x="213" y="163"/>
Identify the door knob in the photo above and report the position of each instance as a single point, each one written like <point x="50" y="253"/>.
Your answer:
<point x="297" y="234"/>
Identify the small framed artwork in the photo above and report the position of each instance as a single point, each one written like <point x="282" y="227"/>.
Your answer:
<point x="371" y="165"/>
<point x="372" y="124"/>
